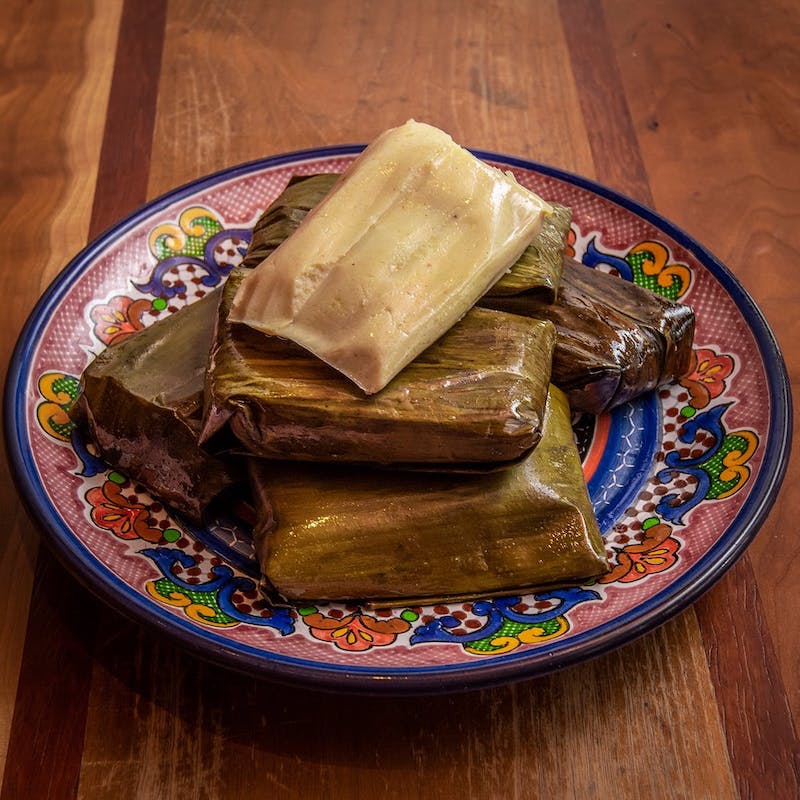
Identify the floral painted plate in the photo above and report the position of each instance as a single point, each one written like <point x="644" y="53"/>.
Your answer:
<point x="680" y="479"/>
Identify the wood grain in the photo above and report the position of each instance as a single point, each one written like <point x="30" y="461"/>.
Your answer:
<point x="56" y="67"/>
<point x="673" y="102"/>
<point x="266" y="78"/>
<point x="714" y="101"/>
<point x="203" y="732"/>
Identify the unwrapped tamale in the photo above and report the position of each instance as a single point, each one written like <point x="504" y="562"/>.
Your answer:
<point x="537" y="270"/>
<point x="410" y="236"/>
<point x="614" y="340"/>
<point x="342" y="533"/>
<point x="476" y="395"/>
<point x="141" y="404"/>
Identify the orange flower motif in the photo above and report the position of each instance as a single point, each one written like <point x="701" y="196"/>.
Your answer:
<point x="657" y="552"/>
<point x="119" y="318"/>
<point x="112" y="511"/>
<point x="354" y="632"/>
<point x="705" y="378"/>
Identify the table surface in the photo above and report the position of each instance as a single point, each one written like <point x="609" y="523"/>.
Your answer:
<point x="690" y="107"/>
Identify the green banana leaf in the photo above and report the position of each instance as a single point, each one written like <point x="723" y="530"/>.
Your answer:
<point x="538" y="270"/>
<point x="476" y="395"/>
<point x="355" y="533"/>
<point x="285" y="214"/>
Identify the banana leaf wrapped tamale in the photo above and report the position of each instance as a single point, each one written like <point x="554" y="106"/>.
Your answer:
<point x="141" y="405"/>
<point x="614" y="340"/>
<point x="537" y="270"/>
<point x="333" y="533"/>
<point x="476" y="395"/>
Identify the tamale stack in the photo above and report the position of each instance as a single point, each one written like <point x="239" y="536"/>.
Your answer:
<point x="331" y="533"/>
<point x="412" y="233"/>
<point x="614" y="340"/>
<point x="476" y="395"/>
<point x="141" y="403"/>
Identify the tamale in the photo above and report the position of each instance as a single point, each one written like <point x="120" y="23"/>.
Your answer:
<point x="141" y="402"/>
<point x="614" y="340"/>
<point x="538" y="269"/>
<point x="412" y="233"/>
<point x="336" y="533"/>
<point x="476" y="395"/>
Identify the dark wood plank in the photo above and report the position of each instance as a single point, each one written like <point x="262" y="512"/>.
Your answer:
<point x="125" y="158"/>
<point x="50" y="710"/>
<point x="609" y="128"/>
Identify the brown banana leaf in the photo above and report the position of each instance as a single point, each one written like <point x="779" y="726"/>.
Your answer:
<point x="614" y="340"/>
<point x="141" y="405"/>
<point x="537" y="270"/>
<point x="354" y="533"/>
<point x="476" y="395"/>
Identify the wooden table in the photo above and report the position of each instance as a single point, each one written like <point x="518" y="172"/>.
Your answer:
<point x="688" y="106"/>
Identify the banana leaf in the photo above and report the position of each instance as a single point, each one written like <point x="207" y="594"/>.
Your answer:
<point x="537" y="270"/>
<point x="285" y="214"/>
<point x="614" y="340"/>
<point x="141" y="403"/>
<point x="354" y="533"/>
<point x="477" y="395"/>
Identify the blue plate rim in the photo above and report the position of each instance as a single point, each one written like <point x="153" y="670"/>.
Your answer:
<point x="518" y="665"/>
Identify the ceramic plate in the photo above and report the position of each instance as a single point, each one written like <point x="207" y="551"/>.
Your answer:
<point x="680" y="479"/>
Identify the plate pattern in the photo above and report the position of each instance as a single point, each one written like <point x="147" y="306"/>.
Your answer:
<point x="667" y="473"/>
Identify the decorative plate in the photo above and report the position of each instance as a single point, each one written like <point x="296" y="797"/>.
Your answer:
<point x="681" y="479"/>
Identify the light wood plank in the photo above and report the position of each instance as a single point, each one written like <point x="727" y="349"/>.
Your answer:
<point x="249" y="80"/>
